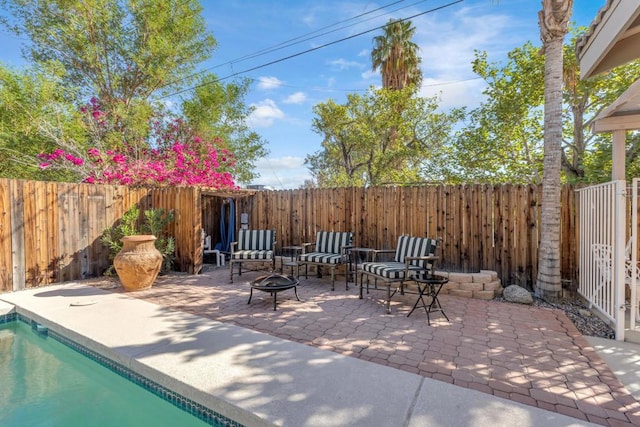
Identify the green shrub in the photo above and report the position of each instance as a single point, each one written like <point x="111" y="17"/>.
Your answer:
<point x="154" y="222"/>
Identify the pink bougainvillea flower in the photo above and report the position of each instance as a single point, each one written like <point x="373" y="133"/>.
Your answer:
<point x="177" y="159"/>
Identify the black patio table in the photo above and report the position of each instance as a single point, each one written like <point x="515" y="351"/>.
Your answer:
<point x="429" y="285"/>
<point x="273" y="284"/>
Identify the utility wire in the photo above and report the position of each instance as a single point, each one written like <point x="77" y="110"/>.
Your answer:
<point x="337" y="90"/>
<point x="299" y="39"/>
<point x="307" y="51"/>
<point x="305" y="37"/>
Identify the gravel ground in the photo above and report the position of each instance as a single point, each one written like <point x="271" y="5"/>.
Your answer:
<point x="578" y="312"/>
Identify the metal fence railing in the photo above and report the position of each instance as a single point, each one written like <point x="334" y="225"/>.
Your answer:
<point x="602" y="231"/>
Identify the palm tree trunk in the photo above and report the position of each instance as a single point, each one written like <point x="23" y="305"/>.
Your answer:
<point x="553" y="27"/>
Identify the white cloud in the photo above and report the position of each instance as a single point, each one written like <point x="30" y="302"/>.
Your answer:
<point x="369" y="74"/>
<point x="295" y="98"/>
<point x="280" y="173"/>
<point x="343" y="64"/>
<point x="447" y="48"/>
<point x="364" y="52"/>
<point x="278" y="163"/>
<point x="464" y="93"/>
<point x="266" y="83"/>
<point x="265" y="113"/>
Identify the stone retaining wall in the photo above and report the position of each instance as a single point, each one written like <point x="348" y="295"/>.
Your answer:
<point x="483" y="285"/>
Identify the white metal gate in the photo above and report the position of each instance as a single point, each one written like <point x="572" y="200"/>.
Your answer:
<point x="602" y="250"/>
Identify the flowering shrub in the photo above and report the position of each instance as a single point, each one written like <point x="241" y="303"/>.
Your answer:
<point x="179" y="159"/>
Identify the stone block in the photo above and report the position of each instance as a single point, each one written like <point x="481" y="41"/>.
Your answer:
<point x="461" y="293"/>
<point x="450" y="286"/>
<point x="442" y="273"/>
<point x="493" y="286"/>
<point x="472" y="287"/>
<point x="459" y="277"/>
<point x="486" y="295"/>
<point x="481" y="278"/>
<point x="493" y="274"/>
<point x="498" y="292"/>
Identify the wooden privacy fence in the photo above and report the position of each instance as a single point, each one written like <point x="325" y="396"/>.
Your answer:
<point x="50" y="232"/>
<point x="482" y="226"/>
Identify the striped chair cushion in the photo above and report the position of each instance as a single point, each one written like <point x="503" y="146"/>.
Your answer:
<point x="331" y="242"/>
<point x="416" y="247"/>
<point x="388" y="270"/>
<point x="321" y="258"/>
<point x="256" y="240"/>
<point x="252" y="255"/>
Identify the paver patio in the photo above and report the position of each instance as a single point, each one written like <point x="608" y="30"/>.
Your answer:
<point x="531" y="355"/>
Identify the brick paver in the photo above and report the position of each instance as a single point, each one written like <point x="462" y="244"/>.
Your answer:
<point x="531" y="355"/>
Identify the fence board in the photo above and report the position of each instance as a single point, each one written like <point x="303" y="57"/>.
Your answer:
<point x="17" y="235"/>
<point x="41" y="236"/>
<point x="83" y="230"/>
<point x="52" y="240"/>
<point x="28" y="213"/>
<point x="6" y="266"/>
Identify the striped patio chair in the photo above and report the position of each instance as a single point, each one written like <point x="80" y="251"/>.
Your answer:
<point x="329" y="251"/>
<point x="413" y="255"/>
<point x="257" y="246"/>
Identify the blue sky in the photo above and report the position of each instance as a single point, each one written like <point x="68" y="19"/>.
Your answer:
<point x="285" y="92"/>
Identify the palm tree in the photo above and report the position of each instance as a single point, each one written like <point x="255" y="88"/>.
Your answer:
<point x="553" y="21"/>
<point x="396" y="56"/>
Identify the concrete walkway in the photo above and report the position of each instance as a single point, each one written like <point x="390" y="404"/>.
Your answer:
<point x="515" y="365"/>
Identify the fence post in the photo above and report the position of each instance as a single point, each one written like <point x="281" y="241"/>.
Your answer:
<point x="619" y="256"/>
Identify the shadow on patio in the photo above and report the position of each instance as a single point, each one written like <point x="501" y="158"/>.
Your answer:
<point x="531" y="355"/>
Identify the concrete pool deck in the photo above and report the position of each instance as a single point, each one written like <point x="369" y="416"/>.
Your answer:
<point x="258" y="379"/>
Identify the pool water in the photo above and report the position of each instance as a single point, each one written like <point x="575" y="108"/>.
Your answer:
<point x="44" y="383"/>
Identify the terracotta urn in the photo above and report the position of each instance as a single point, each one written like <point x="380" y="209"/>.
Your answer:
<point x="138" y="262"/>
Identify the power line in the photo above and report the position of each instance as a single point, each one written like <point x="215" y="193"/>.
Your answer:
<point x="299" y="39"/>
<point x="305" y="37"/>
<point x="322" y="89"/>
<point x="307" y="51"/>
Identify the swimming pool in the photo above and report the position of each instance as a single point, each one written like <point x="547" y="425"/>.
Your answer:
<point x="46" y="383"/>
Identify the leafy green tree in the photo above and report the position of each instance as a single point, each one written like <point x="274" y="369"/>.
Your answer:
<point x="127" y="55"/>
<point x="120" y="51"/>
<point x="583" y="100"/>
<point x="217" y="110"/>
<point x="117" y="50"/>
<point x="503" y="138"/>
<point x="29" y="102"/>
<point x="397" y="56"/>
<point x="366" y="141"/>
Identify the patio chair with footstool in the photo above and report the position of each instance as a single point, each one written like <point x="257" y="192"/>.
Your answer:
<point x="253" y="246"/>
<point x="330" y="251"/>
<point x="413" y="256"/>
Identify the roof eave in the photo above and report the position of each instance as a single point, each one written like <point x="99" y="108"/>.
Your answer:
<point x="613" y="38"/>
